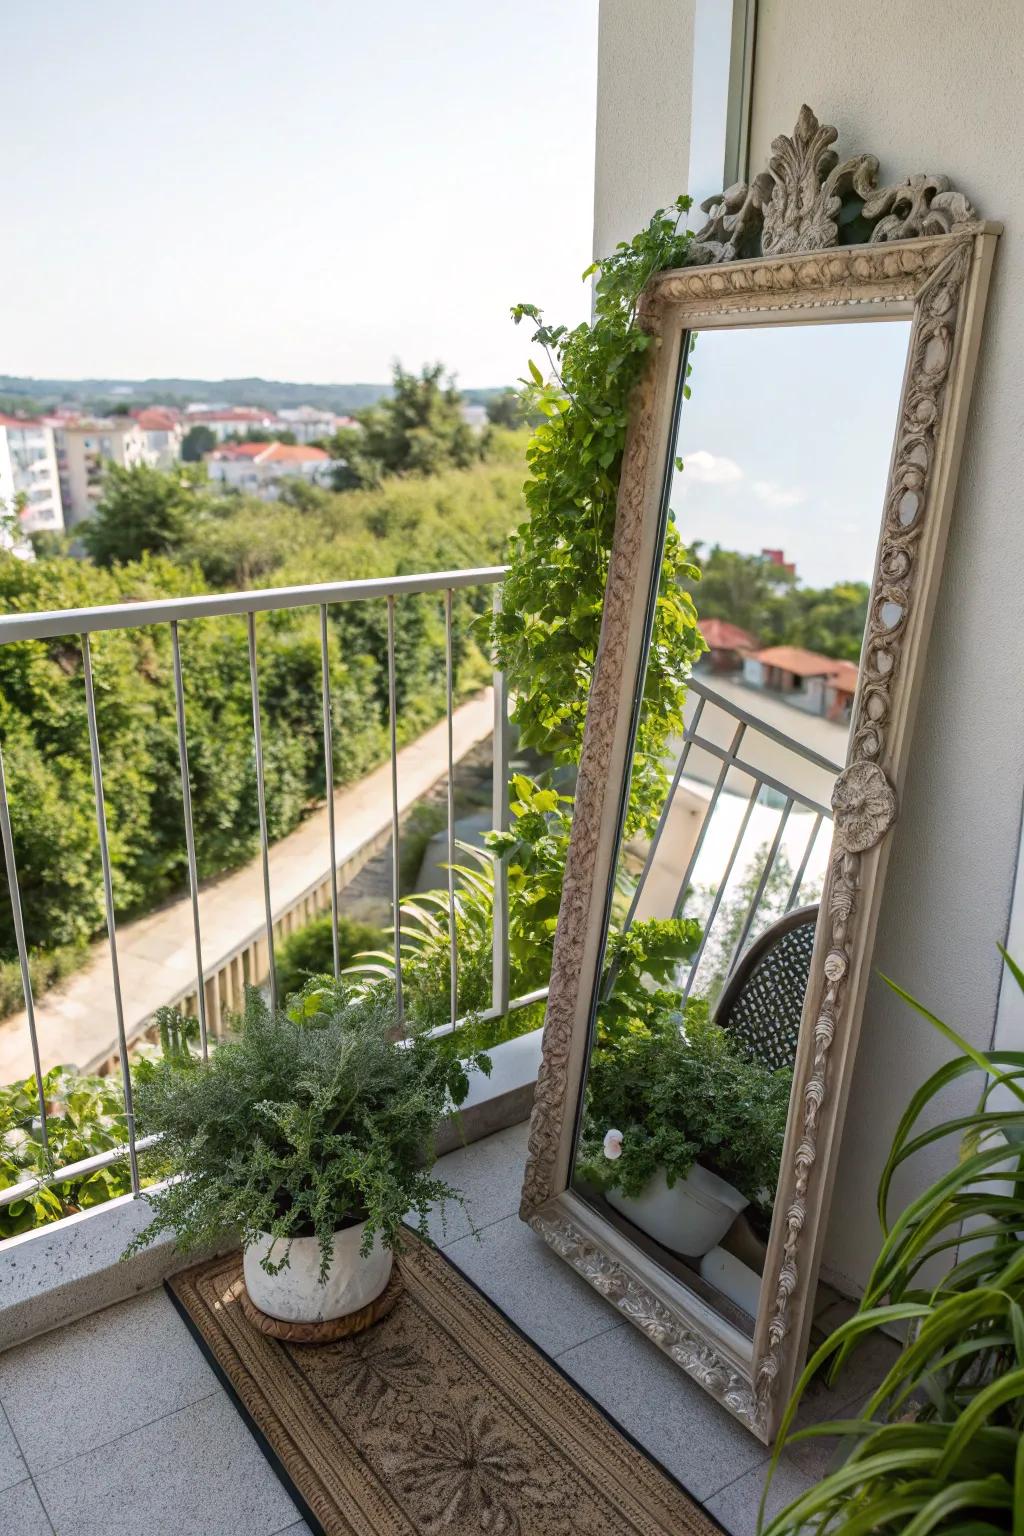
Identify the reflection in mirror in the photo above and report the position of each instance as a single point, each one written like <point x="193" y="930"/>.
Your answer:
<point x="777" y="489"/>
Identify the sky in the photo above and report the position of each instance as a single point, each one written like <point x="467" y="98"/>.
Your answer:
<point x="786" y="441"/>
<point x="221" y="189"/>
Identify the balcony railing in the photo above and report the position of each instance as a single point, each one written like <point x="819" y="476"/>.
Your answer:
<point x="82" y="623"/>
<point x="729" y="757"/>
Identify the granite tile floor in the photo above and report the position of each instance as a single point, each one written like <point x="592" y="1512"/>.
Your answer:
<point x="117" y="1426"/>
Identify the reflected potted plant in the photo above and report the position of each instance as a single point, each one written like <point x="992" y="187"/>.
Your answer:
<point x="682" y="1131"/>
<point x="310" y="1135"/>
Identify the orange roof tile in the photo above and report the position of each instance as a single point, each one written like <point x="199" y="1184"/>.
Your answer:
<point x="723" y="636"/>
<point x="793" y="658"/>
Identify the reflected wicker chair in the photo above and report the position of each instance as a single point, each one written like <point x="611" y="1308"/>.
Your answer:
<point x="762" y="1001"/>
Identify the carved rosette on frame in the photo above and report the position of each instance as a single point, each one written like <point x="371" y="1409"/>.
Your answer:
<point x="831" y="231"/>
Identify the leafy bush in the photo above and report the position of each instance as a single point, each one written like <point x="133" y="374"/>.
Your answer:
<point x="680" y="1092"/>
<point x="310" y="1120"/>
<point x="457" y="518"/>
<point x="85" y="1115"/>
<point x="46" y="967"/>
<point x="310" y="951"/>
<point x="939" y="1446"/>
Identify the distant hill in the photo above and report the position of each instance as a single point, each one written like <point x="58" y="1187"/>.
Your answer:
<point x="270" y="393"/>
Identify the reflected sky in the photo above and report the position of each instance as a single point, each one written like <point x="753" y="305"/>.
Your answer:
<point x="786" y="441"/>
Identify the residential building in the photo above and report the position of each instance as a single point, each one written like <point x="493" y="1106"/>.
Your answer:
<point x="475" y="416"/>
<point x="822" y="685"/>
<point x="84" y="449"/>
<point x="28" y="474"/>
<point x="309" y="424"/>
<point x="230" y="421"/>
<point x="259" y="468"/>
<point x="777" y="557"/>
<point x="164" y="431"/>
<point x="727" y="644"/>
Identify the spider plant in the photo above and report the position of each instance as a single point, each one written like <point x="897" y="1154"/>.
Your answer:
<point x="939" y="1445"/>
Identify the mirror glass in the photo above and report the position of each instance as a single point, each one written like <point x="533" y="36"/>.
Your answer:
<point x="784" y="443"/>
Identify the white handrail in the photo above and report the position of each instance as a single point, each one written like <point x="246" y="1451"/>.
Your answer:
<point x="87" y="621"/>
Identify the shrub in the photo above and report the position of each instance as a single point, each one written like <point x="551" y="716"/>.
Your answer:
<point x="310" y="951"/>
<point x="310" y="1120"/>
<point x="85" y="1115"/>
<point x="680" y="1093"/>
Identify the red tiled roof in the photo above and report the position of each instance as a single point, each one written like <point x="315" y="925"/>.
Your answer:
<point x="793" y="658"/>
<point x="723" y="636"/>
<point x="295" y="453"/>
<point x="239" y="451"/>
<point x="245" y="413"/>
<point x="156" y="418"/>
<point x="270" y="453"/>
<point x="845" y="676"/>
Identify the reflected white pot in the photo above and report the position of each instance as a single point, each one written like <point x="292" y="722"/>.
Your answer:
<point x="690" y="1218"/>
<point x="295" y="1294"/>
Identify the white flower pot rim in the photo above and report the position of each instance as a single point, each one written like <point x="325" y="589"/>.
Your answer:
<point x="295" y="1293"/>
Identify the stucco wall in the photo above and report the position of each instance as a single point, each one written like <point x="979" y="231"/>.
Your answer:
<point x="644" y="68"/>
<point x="925" y="88"/>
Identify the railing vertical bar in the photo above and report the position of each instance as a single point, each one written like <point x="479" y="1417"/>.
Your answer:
<point x="755" y="900"/>
<point x="798" y="878"/>
<point x="720" y="892"/>
<point x="19" y="935"/>
<point x="329" y="781"/>
<point x="665" y="811"/>
<point x="108" y="897"/>
<point x="190" y="842"/>
<point x="716" y="794"/>
<point x="453" y="941"/>
<point x="261" y="798"/>
<point x="500" y="982"/>
<point x="395" y="861"/>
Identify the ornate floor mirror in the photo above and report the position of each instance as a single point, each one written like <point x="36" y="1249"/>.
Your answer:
<point x="838" y="330"/>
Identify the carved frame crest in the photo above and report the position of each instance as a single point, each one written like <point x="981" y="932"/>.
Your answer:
<point x="771" y="252"/>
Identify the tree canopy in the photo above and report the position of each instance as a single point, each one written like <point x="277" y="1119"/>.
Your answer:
<point x="417" y="430"/>
<point x="770" y="603"/>
<point x="143" y="511"/>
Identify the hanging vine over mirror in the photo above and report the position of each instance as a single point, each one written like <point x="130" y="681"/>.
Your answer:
<point x="546" y="636"/>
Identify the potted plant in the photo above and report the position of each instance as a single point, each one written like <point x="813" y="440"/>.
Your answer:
<point x="309" y="1134"/>
<point x="682" y="1131"/>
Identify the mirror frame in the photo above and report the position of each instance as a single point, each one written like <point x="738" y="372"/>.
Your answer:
<point x="927" y="257"/>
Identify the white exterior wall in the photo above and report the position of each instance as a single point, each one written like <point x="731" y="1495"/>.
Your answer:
<point x="163" y="445"/>
<point x="924" y="87"/>
<point x="82" y="453"/>
<point x="265" y="479"/>
<point x="28" y="467"/>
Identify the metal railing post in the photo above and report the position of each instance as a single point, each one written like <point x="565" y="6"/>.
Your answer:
<point x="500" y="983"/>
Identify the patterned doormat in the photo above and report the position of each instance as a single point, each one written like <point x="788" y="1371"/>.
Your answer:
<point x="441" y="1420"/>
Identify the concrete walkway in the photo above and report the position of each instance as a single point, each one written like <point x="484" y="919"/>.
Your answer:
<point x="156" y="953"/>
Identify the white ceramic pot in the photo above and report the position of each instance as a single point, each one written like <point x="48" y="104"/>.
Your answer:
<point x="688" y="1219"/>
<point x="295" y="1294"/>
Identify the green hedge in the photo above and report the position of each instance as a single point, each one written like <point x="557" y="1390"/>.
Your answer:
<point x="459" y="518"/>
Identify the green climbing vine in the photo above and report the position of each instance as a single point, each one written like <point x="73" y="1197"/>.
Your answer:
<point x="547" y="632"/>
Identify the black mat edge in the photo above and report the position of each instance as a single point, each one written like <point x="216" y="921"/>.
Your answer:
<point x="305" y="1513"/>
<point x="278" y="1466"/>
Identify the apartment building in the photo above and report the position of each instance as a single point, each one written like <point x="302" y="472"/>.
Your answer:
<point x="29" y="483"/>
<point x="259" y="468"/>
<point x="229" y="421"/>
<point x="84" y="449"/>
<point x="164" y="431"/>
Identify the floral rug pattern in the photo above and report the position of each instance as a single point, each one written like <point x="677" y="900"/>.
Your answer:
<point x="438" y="1421"/>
